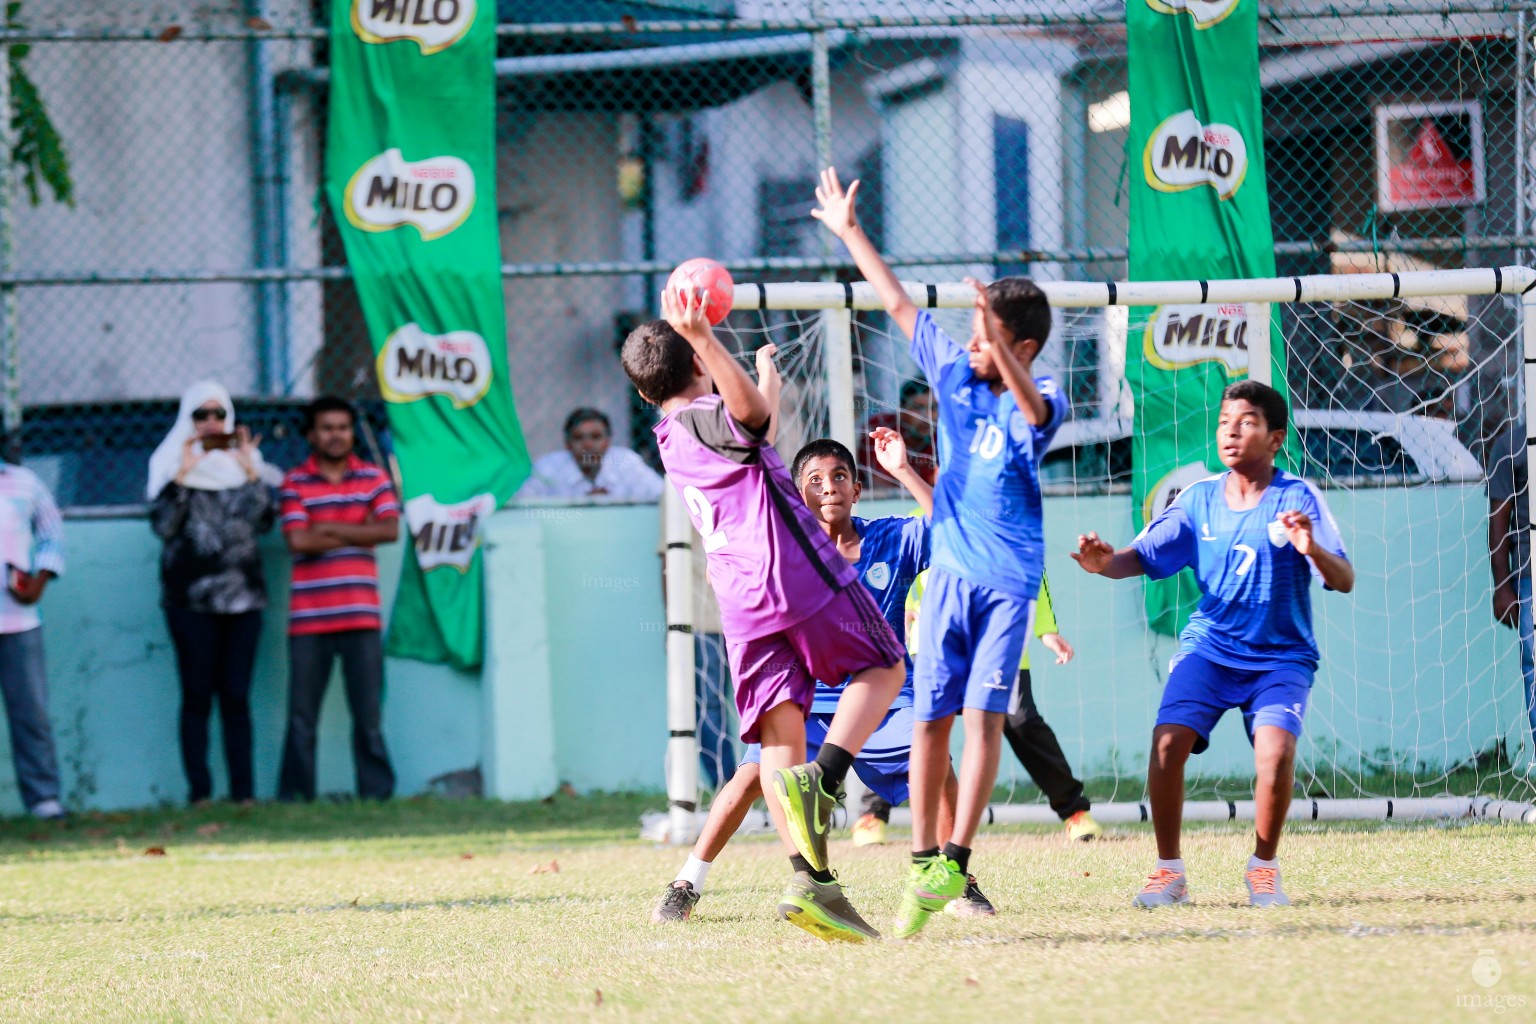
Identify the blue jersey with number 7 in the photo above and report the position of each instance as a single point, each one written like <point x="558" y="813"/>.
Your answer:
<point x="987" y="522"/>
<point x="1255" y="607"/>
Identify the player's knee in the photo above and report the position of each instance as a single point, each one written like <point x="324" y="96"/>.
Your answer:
<point x="1171" y="745"/>
<point x="1274" y="756"/>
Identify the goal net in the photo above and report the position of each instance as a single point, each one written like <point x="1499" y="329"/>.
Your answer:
<point x="1407" y="412"/>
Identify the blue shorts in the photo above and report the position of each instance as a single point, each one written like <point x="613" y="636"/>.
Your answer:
<point x="970" y="640"/>
<point x="1200" y="691"/>
<point x="883" y="764"/>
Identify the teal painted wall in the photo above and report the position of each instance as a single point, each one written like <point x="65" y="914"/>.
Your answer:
<point x="575" y="677"/>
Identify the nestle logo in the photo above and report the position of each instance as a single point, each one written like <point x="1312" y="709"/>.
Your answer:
<point x="1217" y="138"/>
<point x="433" y="173"/>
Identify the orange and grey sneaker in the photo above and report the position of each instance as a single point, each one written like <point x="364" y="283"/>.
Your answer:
<point x="1164" y="888"/>
<point x="1081" y="828"/>
<point x="1264" y="887"/>
<point x="868" y="831"/>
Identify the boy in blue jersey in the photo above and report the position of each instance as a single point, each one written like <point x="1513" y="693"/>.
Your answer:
<point x="995" y="421"/>
<point x="1255" y="537"/>
<point x="889" y="553"/>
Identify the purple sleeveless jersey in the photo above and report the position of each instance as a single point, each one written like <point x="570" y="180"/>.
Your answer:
<point x="769" y="561"/>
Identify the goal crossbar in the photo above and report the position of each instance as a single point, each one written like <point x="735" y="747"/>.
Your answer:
<point x="1514" y="280"/>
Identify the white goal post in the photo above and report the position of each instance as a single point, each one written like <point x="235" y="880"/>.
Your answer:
<point x="833" y="303"/>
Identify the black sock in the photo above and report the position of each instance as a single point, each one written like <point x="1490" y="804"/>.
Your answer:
<point x="834" y="762"/>
<point x="799" y="863"/>
<point x="961" y="855"/>
<point x="918" y="856"/>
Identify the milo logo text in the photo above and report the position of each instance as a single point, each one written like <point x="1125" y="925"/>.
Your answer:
<point x="432" y="25"/>
<point x="1184" y="154"/>
<point x="1180" y="336"/>
<point x="413" y="364"/>
<point x="434" y="196"/>
<point x="1204" y="12"/>
<point x="447" y="534"/>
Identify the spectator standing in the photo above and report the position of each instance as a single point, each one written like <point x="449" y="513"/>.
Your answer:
<point x="591" y="465"/>
<point x="1509" y="548"/>
<point x="336" y="508"/>
<point x="32" y="543"/>
<point x="211" y="498"/>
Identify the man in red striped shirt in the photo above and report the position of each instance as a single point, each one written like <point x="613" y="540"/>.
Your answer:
<point x="335" y="509"/>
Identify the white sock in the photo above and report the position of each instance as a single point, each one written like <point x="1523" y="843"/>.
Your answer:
<point x="693" y="872"/>
<point x="1255" y="862"/>
<point x="1177" y="864"/>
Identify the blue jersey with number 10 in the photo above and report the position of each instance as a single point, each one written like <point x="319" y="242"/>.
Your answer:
<point x="987" y="522"/>
<point x="1256" y="607"/>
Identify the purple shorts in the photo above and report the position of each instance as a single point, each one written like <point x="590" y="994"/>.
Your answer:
<point x="847" y="636"/>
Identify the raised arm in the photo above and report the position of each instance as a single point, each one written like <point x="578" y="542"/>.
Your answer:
<point x="746" y="404"/>
<point x="1017" y="375"/>
<point x="771" y="384"/>
<point x="1098" y="557"/>
<point x="891" y="453"/>
<point x="837" y="213"/>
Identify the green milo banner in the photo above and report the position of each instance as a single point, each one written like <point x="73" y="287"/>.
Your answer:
<point x="1199" y="210"/>
<point x="410" y="173"/>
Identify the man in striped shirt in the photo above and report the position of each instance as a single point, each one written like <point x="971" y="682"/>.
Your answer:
<point x="32" y="549"/>
<point x="335" y="509"/>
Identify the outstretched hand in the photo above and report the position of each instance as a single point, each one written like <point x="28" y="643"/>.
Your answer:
<point x="1093" y="553"/>
<point x="684" y="310"/>
<point x="1057" y="644"/>
<point x="890" y="449"/>
<point x="837" y="206"/>
<point x="1298" y="527"/>
<point x="983" y="305"/>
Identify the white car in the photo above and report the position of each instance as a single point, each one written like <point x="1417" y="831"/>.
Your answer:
<point x="1343" y="448"/>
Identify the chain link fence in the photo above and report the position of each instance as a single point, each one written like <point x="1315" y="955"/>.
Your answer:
<point x="989" y="138"/>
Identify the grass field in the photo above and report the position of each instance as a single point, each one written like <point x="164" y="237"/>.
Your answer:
<point x="437" y="911"/>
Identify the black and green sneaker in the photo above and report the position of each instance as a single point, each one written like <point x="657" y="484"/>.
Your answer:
<point x="822" y="909"/>
<point x="972" y="902"/>
<point x="809" y="809"/>
<point x="676" y="903"/>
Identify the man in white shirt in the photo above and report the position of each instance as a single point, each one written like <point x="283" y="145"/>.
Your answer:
<point x="32" y="546"/>
<point x="590" y="466"/>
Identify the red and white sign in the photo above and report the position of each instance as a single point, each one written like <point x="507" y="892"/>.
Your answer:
<point x="1429" y="155"/>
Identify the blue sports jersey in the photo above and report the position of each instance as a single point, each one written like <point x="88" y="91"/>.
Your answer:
<point x="987" y="523"/>
<point x="892" y="551"/>
<point x="1256" y="607"/>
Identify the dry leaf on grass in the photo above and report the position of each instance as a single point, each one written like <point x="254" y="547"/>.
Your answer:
<point x="155" y="851"/>
<point x="466" y="856"/>
<point x="552" y="868"/>
<point x="599" y="1000"/>
<point x="170" y="33"/>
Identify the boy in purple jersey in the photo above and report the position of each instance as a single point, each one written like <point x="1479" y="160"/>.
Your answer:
<point x="889" y="553"/>
<point x="1255" y="537"/>
<point x="996" y="420"/>
<point x="788" y="610"/>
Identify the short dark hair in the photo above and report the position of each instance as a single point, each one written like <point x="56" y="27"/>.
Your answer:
<point x="583" y="415"/>
<point x="1262" y="397"/>
<point x="820" y="448"/>
<point x="659" y="361"/>
<point x="325" y="404"/>
<point x="1021" y="307"/>
<point x="910" y="389"/>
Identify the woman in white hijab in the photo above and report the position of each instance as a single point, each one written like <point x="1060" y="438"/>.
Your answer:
<point x="210" y="498"/>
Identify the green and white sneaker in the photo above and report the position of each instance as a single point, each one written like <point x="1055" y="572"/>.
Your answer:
<point x="823" y="910"/>
<point x="809" y="809"/>
<point x="930" y="885"/>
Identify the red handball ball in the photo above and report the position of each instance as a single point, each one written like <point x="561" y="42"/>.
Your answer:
<point x="711" y="281"/>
